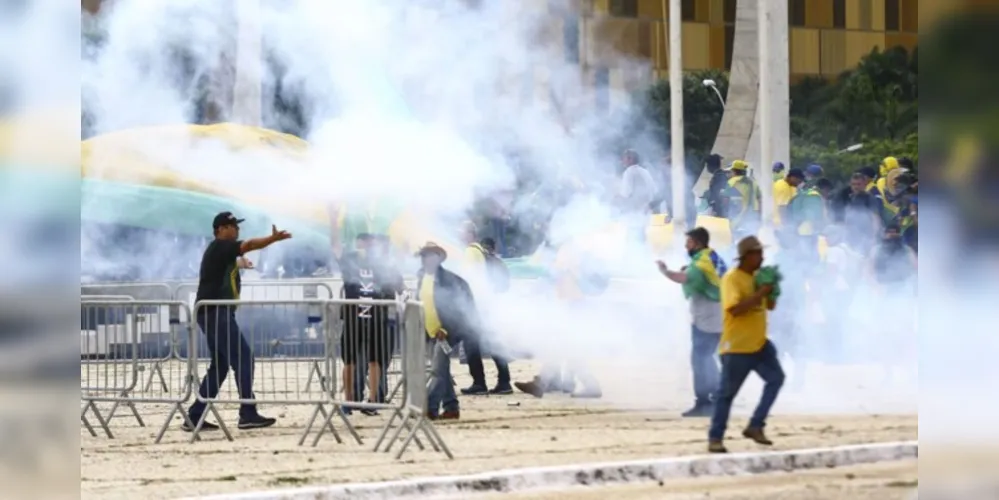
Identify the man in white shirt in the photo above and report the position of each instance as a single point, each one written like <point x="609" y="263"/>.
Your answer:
<point x="636" y="193"/>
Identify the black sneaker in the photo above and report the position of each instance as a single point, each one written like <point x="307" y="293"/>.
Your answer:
<point x="256" y="422"/>
<point x="371" y="412"/>
<point x="475" y="390"/>
<point x="501" y="390"/>
<point x="207" y="426"/>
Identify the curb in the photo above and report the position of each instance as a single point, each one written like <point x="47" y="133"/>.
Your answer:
<point x="597" y="474"/>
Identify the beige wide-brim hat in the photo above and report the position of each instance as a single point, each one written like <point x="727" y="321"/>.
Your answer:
<point x="749" y="244"/>
<point x="431" y="247"/>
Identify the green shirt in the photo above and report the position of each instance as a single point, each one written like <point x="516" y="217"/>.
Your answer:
<point x="807" y="212"/>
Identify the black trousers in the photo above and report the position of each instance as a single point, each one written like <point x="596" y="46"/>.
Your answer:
<point x="473" y="354"/>
<point x="228" y="349"/>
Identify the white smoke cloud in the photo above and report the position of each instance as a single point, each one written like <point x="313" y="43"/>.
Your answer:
<point x="420" y="103"/>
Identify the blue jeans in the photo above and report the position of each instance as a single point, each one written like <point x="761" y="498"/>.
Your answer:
<point x="704" y="347"/>
<point x="735" y="369"/>
<point x="441" y="393"/>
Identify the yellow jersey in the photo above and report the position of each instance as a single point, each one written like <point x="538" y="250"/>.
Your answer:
<point x="746" y="333"/>
<point x="431" y="320"/>
<point x="783" y="192"/>
<point x="475" y="255"/>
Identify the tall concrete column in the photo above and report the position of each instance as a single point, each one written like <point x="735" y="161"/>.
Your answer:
<point x="773" y="116"/>
<point x="780" y="83"/>
<point x="246" y="92"/>
<point x="679" y="170"/>
<point x="739" y="134"/>
<point x="739" y="120"/>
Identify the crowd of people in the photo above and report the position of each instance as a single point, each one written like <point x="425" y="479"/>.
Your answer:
<point x="832" y="244"/>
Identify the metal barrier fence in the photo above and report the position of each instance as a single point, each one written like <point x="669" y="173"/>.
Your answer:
<point x="295" y="351"/>
<point x="115" y="339"/>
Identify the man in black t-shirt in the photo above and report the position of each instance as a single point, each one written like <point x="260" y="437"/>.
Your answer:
<point x="219" y="280"/>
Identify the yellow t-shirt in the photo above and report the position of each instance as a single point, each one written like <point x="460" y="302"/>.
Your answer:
<point x="783" y="192"/>
<point x="741" y="334"/>
<point x="474" y="255"/>
<point x="430" y="317"/>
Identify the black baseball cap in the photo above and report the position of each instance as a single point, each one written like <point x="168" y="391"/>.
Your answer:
<point x="714" y="160"/>
<point x="226" y="219"/>
<point x="795" y="172"/>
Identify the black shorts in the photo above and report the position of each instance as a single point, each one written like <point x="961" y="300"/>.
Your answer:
<point x="367" y="339"/>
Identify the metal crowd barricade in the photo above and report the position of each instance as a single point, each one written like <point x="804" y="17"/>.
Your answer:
<point x="283" y="353"/>
<point x="372" y="332"/>
<point x="412" y="413"/>
<point x="257" y="290"/>
<point x="164" y="355"/>
<point x="116" y="335"/>
<point x="349" y="332"/>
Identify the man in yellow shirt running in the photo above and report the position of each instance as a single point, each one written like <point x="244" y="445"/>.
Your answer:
<point x="744" y="346"/>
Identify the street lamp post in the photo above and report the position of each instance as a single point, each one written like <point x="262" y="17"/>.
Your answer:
<point x="677" y="157"/>
<point x="714" y="86"/>
<point x="851" y="148"/>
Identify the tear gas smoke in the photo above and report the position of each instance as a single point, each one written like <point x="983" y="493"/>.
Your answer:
<point x="422" y="103"/>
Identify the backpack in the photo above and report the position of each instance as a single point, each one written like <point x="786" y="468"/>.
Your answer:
<point x="499" y="275"/>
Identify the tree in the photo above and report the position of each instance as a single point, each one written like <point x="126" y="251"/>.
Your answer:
<point x="876" y="103"/>
<point x="702" y="112"/>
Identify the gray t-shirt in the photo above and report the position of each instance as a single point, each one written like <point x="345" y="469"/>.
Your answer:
<point x="706" y="314"/>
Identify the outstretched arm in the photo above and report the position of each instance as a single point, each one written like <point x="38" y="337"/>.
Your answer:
<point x="264" y="242"/>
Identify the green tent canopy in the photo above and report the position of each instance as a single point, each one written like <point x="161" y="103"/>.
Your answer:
<point x="191" y="213"/>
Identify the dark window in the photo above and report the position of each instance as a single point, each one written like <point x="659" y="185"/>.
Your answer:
<point x="729" y="11"/>
<point x="796" y="13"/>
<point x="891" y="15"/>
<point x="624" y="8"/>
<point x="729" y="45"/>
<point x="570" y="38"/>
<point x="601" y="81"/>
<point x="688" y="10"/>
<point x="839" y="14"/>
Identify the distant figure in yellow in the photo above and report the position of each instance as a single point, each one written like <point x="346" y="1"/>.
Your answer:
<point x="783" y="192"/>
<point x="743" y="201"/>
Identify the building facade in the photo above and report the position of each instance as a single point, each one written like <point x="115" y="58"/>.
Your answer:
<point x="827" y="37"/>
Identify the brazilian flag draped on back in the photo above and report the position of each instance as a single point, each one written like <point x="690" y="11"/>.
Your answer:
<point x="704" y="275"/>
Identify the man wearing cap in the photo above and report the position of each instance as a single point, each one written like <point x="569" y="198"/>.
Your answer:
<point x="449" y="316"/>
<point x="783" y="192"/>
<point x="701" y="280"/>
<point x="813" y="173"/>
<point x="744" y="346"/>
<point x="219" y="280"/>
<point x="743" y="201"/>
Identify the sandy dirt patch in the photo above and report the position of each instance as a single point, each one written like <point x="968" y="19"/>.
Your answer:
<point x="638" y="419"/>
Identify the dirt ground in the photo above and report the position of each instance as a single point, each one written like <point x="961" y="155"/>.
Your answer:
<point x="496" y="432"/>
